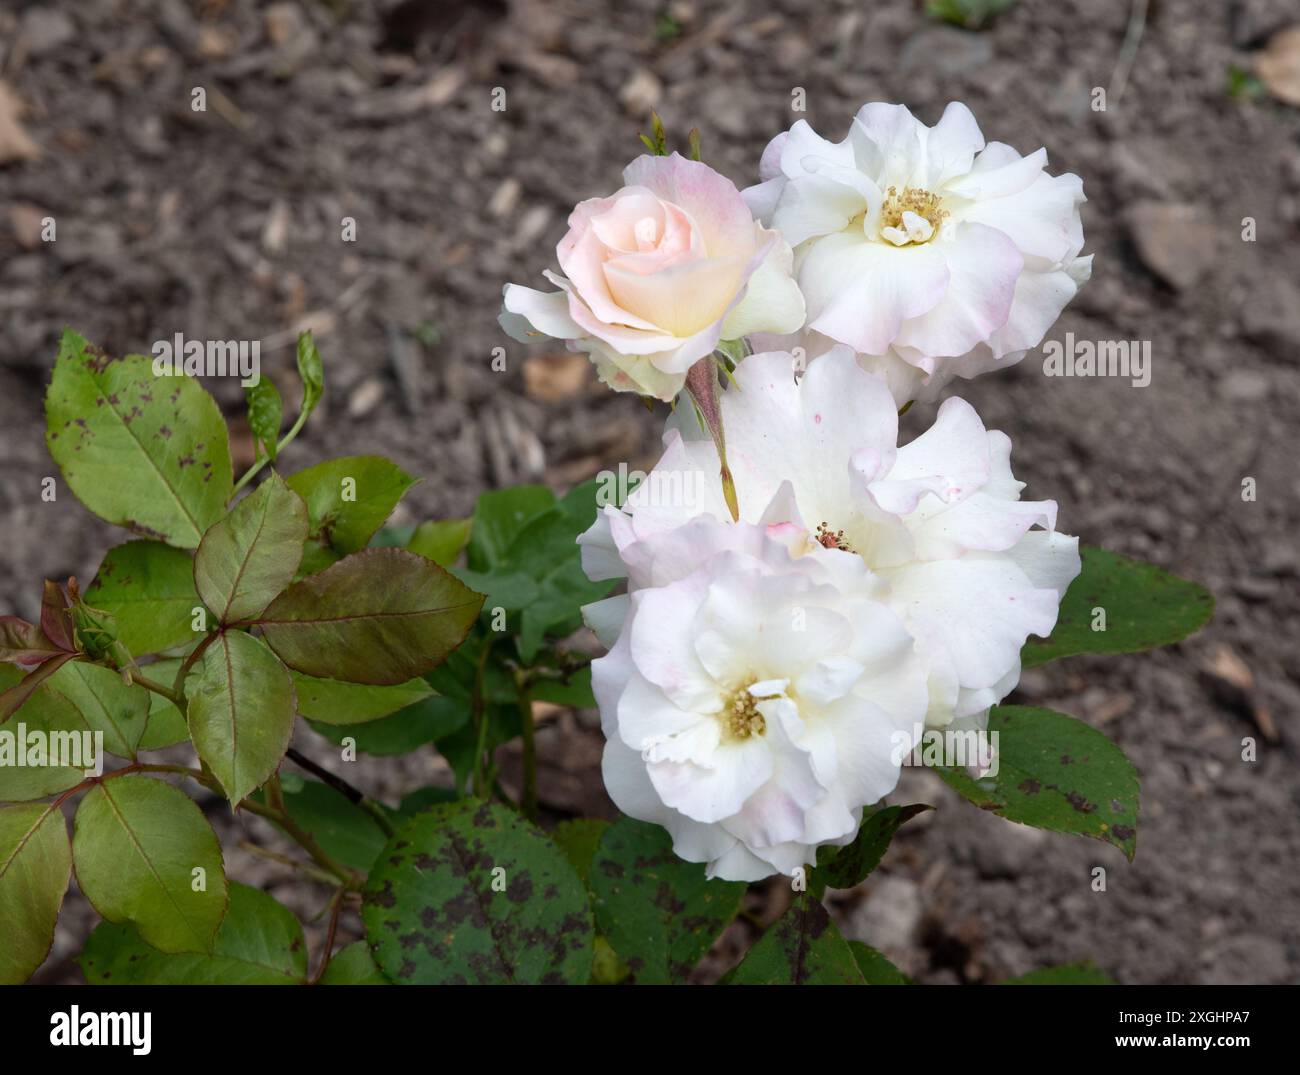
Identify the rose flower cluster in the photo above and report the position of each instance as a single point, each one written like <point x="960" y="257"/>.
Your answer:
<point x="804" y="595"/>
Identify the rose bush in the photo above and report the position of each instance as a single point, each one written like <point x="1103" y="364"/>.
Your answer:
<point x="794" y="597"/>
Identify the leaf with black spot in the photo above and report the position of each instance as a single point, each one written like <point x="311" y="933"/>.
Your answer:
<point x="578" y="838"/>
<point x="469" y="892"/>
<point x="145" y="452"/>
<point x="802" y="947"/>
<point x="1055" y="772"/>
<point x="659" y="912"/>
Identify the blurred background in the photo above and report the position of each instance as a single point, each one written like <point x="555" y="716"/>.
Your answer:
<point x="226" y="224"/>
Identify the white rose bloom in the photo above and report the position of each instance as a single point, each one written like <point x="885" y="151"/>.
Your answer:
<point x="923" y="246"/>
<point x="755" y="703"/>
<point x="657" y="275"/>
<point x="970" y="568"/>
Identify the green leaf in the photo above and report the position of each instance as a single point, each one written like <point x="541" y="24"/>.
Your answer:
<point x="393" y="537"/>
<point x="1055" y="772"/>
<point x="578" y="839"/>
<point x="802" y="947"/>
<point x="102" y="702"/>
<point x="575" y="691"/>
<point x="332" y="701"/>
<point x="353" y="965"/>
<point x="875" y="968"/>
<point x="845" y="867"/>
<point x="1069" y="974"/>
<point x="470" y="892"/>
<point x="349" y="499"/>
<point x="251" y="555"/>
<point x="441" y="541"/>
<point x="265" y="416"/>
<point x="658" y="911"/>
<point x="407" y="729"/>
<point x="523" y="555"/>
<point x="343" y="829"/>
<point x="148" y="587"/>
<point x="1144" y="607"/>
<point x="260" y="942"/>
<point x="508" y="590"/>
<point x="500" y="515"/>
<point x="45" y="720"/>
<point x="145" y="452"/>
<point x="311" y="372"/>
<point x="35" y="866"/>
<point x="546" y="550"/>
<point x="316" y="558"/>
<point x="241" y="712"/>
<point x="136" y="844"/>
<point x="380" y="616"/>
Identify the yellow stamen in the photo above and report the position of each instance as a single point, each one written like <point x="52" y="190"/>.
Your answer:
<point x="740" y="716"/>
<point x="911" y="200"/>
